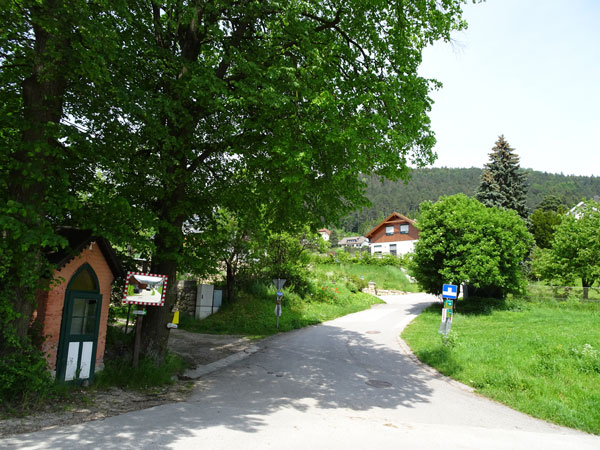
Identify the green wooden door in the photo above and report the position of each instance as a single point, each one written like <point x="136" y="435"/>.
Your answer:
<point x="79" y="328"/>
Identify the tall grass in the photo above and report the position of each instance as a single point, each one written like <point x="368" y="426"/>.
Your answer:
<point x="542" y="358"/>
<point x="118" y="370"/>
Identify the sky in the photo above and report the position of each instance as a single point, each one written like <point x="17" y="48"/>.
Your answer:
<point x="525" y="69"/>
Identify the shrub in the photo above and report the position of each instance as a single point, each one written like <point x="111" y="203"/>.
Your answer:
<point x="24" y="377"/>
<point x="460" y="239"/>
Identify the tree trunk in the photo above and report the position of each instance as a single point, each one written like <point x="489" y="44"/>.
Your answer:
<point x="230" y="282"/>
<point x="42" y="93"/>
<point x="169" y="245"/>
<point x="586" y="287"/>
<point x="155" y="334"/>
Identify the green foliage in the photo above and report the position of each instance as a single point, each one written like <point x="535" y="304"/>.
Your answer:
<point x="333" y="238"/>
<point x="543" y="224"/>
<point x="538" y="357"/>
<point x="575" y="252"/>
<point x="285" y="257"/>
<point x="24" y="377"/>
<point x="385" y="277"/>
<point x="142" y="120"/>
<point x="365" y="258"/>
<point x="538" y="264"/>
<point x="551" y="203"/>
<point x="462" y="240"/>
<point x="503" y="183"/>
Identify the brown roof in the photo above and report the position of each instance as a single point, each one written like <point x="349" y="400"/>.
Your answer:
<point x="391" y="219"/>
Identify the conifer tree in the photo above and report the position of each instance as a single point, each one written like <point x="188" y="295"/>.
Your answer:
<point x="503" y="184"/>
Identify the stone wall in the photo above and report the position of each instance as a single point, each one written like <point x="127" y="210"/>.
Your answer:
<point x="372" y="289"/>
<point x="186" y="296"/>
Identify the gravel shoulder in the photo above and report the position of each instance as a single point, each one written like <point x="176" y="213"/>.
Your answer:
<point x="199" y="350"/>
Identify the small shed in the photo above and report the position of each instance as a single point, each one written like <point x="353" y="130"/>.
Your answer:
<point x="73" y="314"/>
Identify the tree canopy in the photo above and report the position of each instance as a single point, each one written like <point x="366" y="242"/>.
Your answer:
<point x="461" y="240"/>
<point x="575" y="252"/>
<point x="140" y="119"/>
<point x="503" y="183"/>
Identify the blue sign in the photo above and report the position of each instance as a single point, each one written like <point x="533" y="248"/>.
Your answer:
<point x="450" y="291"/>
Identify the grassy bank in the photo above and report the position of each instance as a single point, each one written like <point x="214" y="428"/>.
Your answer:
<point x="385" y="277"/>
<point x="540" y="358"/>
<point x="253" y="312"/>
<point x="335" y="292"/>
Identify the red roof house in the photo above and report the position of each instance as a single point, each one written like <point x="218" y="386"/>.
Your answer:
<point x="396" y="235"/>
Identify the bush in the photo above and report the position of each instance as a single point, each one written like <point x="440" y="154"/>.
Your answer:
<point x="460" y="239"/>
<point x="24" y="377"/>
<point x="286" y="258"/>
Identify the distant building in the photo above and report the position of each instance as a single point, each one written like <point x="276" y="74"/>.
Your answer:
<point x="578" y="208"/>
<point x="396" y="235"/>
<point x="324" y="232"/>
<point x="354" y="242"/>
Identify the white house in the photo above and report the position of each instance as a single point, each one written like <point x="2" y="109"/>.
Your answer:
<point x="396" y="235"/>
<point x="354" y="242"/>
<point x="324" y="232"/>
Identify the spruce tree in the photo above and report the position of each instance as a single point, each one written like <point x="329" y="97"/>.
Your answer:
<point x="503" y="184"/>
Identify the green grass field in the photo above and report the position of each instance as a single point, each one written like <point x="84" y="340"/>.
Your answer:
<point x="539" y="358"/>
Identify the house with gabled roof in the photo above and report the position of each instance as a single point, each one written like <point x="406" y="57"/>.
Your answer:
<point x="354" y="242"/>
<point x="324" y="233"/>
<point x="396" y="235"/>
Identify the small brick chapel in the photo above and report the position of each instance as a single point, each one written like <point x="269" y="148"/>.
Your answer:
<point x="73" y="314"/>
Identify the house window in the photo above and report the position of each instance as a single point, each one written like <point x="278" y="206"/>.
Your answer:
<point x="389" y="230"/>
<point x="393" y="250"/>
<point x="404" y="229"/>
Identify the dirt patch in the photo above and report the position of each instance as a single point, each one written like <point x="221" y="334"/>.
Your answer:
<point x="91" y="404"/>
<point x="202" y="349"/>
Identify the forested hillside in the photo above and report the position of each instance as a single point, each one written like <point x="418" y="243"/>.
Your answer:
<point x="430" y="184"/>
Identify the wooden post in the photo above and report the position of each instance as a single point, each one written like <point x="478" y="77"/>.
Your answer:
<point x="138" y="336"/>
<point x="128" y="314"/>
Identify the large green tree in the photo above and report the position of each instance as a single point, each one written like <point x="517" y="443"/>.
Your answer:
<point x="503" y="183"/>
<point x="283" y="103"/>
<point x="286" y="102"/>
<point x="50" y="53"/>
<point x="575" y="253"/>
<point x="461" y="240"/>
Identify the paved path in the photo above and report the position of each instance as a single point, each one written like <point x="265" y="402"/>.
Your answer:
<point x="347" y="384"/>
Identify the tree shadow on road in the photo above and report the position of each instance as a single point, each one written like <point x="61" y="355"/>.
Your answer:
<point x="324" y="367"/>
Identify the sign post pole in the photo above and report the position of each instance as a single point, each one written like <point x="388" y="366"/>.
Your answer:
<point x="138" y="338"/>
<point x="279" y="282"/>
<point x="449" y="294"/>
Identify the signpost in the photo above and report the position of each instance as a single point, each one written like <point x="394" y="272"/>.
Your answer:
<point x="279" y="282"/>
<point x="143" y="289"/>
<point x="449" y="294"/>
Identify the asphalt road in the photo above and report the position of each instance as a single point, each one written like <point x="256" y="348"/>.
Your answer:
<point x="346" y="384"/>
